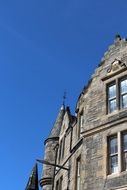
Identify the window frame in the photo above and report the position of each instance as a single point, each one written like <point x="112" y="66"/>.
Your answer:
<point x="63" y="147"/>
<point x="122" y="94"/>
<point x="80" y="123"/>
<point x="111" y="155"/>
<point x="120" y="150"/>
<point x="59" y="183"/>
<point x="110" y="99"/>
<point x="60" y="150"/>
<point x="118" y="97"/>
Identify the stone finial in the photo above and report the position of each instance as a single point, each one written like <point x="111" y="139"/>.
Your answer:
<point x="117" y="38"/>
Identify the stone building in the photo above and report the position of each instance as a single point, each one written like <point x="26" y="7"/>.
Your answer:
<point x="88" y="150"/>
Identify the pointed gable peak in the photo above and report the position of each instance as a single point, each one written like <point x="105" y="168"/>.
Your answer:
<point x="71" y="117"/>
<point x="33" y="179"/>
<point x="114" y="48"/>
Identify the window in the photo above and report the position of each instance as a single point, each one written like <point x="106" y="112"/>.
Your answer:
<point x="63" y="147"/>
<point x="123" y="93"/>
<point x="117" y="95"/>
<point x="80" y="124"/>
<point x="124" y="151"/>
<point x="59" y="183"/>
<point x="117" y="153"/>
<point x="60" y="151"/>
<point x="112" y="98"/>
<point x="113" y="154"/>
<point x="78" y="172"/>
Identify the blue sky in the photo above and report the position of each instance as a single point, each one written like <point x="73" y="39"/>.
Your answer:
<point x="46" y="47"/>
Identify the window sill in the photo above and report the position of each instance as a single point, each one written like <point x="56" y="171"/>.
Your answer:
<point x="117" y="111"/>
<point x="117" y="114"/>
<point x="117" y="174"/>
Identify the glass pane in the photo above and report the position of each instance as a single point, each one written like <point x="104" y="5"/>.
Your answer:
<point x="60" y="151"/>
<point x="78" y="168"/>
<point x="114" y="164"/>
<point x="63" y="148"/>
<point x="81" y="120"/>
<point x="125" y="161"/>
<point x="112" y="91"/>
<point x="113" y="146"/>
<point x="124" y="101"/>
<point x="112" y="105"/>
<point x="125" y="142"/>
<point x="78" y="174"/>
<point x="123" y="86"/>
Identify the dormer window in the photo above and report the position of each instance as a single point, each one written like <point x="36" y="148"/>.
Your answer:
<point x="117" y="95"/>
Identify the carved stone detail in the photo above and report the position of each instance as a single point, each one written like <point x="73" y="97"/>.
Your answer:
<point x="115" y="66"/>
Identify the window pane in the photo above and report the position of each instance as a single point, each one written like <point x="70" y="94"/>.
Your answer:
<point x="113" y="146"/>
<point x="78" y="168"/>
<point x="124" y="86"/>
<point x="125" y="161"/>
<point x="114" y="164"/>
<point x="112" y="105"/>
<point x="78" y="183"/>
<point x="125" y="142"/>
<point x="81" y="120"/>
<point x="78" y="174"/>
<point x="124" y="101"/>
<point x="112" y="91"/>
<point x="63" y="148"/>
<point x="60" y="150"/>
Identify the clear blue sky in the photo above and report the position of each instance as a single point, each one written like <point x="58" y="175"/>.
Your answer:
<point x="46" y="46"/>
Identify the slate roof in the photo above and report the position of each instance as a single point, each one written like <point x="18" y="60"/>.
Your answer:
<point x="57" y="125"/>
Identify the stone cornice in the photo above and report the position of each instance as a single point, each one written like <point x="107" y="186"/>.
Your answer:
<point x="117" y="119"/>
